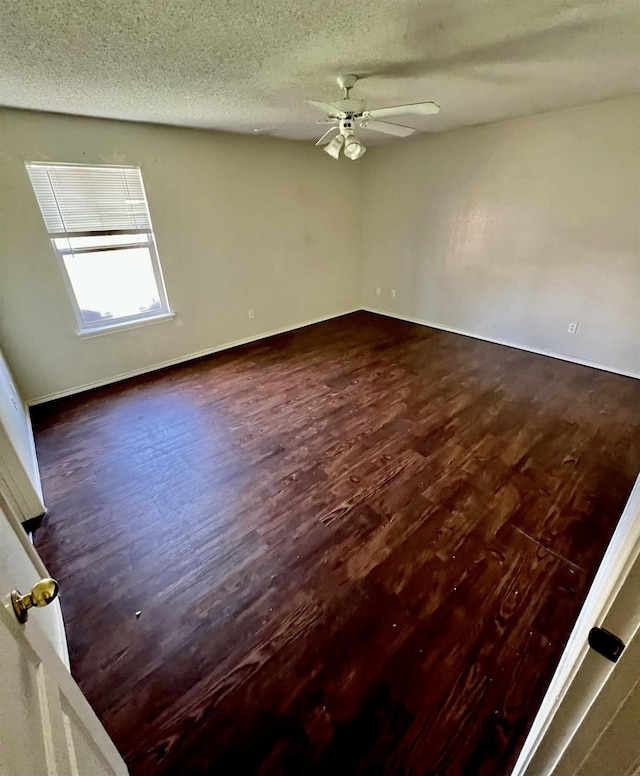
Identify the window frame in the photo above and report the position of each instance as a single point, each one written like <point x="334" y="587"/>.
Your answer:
<point x="109" y="325"/>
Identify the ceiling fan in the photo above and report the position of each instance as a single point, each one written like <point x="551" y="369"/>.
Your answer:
<point x="348" y="113"/>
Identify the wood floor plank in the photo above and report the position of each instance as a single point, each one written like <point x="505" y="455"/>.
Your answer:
<point x="356" y="548"/>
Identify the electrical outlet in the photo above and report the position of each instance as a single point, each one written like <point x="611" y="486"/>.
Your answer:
<point x="573" y="328"/>
<point x="378" y="291"/>
<point x="393" y="293"/>
<point x="252" y="313"/>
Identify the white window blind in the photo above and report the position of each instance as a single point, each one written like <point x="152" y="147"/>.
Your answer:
<point x="83" y="198"/>
<point x="100" y="229"/>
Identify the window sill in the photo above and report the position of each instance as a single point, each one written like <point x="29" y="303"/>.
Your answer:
<point x="114" y="328"/>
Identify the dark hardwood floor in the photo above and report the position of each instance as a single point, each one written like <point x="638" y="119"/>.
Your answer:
<point x="358" y="548"/>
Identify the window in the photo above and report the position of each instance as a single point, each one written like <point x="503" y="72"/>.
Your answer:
<point x="100" y="228"/>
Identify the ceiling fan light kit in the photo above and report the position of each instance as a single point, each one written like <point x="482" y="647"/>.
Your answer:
<point x="353" y="148"/>
<point x="348" y="113"/>
<point x="335" y="146"/>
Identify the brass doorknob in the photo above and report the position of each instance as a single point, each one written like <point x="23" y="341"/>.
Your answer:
<point x="41" y="594"/>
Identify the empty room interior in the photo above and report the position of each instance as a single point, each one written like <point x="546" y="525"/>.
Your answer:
<point x="320" y="388"/>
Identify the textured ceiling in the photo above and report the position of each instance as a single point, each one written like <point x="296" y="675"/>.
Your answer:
<point x="239" y="66"/>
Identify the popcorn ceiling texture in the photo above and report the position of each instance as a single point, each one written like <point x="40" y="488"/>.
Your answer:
<point x="237" y="65"/>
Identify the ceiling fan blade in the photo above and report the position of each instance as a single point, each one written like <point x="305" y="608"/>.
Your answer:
<point x="415" y="109"/>
<point x="326" y="135"/>
<point x="389" y="129"/>
<point x="326" y="107"/>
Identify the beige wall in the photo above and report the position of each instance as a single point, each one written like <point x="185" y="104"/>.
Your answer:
<point x="20" y="486"/>
<point x="508" y="231"/>
<point x="240" y="222"/>
<point x="511" y="231"/>
<point x="15" y="422"/>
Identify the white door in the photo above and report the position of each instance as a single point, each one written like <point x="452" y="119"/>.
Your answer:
<point x="47" y="728"/>
<point x="608" y="739"/>
<point x="589" y="723"/>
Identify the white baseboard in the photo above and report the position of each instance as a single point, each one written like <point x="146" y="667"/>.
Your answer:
<point x="506" y="343"/>
<point x="182" y="359"/>
<point x="256" y="338"/>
